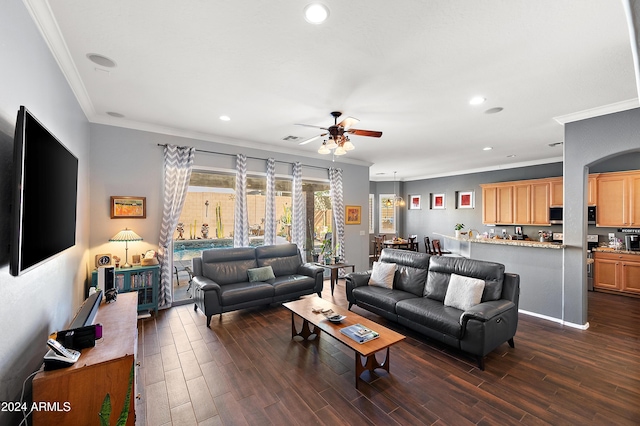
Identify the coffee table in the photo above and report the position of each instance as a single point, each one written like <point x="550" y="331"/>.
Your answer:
<point x="364" y="352"/>
<point x="334" y="271"/>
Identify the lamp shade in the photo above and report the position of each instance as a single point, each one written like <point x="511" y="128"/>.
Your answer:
<point x="126" y="235"/>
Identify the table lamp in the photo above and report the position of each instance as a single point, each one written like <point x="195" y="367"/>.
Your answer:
<point x="126" y="235"/>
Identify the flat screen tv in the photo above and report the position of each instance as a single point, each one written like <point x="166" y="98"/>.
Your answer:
<point x="45" y="195"/>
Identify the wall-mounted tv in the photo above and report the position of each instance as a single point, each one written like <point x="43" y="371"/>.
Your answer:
<point x="45" y="195"/>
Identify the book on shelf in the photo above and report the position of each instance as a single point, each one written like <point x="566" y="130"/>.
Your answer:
<point x="359" y="333"/>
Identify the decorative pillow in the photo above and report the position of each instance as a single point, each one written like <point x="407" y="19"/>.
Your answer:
<point x="382" y="274"/>
<point x="260" y="274"/>
<point x="463" y="292"/>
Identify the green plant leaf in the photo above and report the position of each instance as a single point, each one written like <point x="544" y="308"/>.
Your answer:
<point x="105" y="411"/>
<point x="124" y="414"/>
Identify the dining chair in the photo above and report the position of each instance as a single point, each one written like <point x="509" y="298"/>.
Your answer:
<point x="438" y="249"/>
<point x="377" y="246"/>
<point x="413" y="244"/>
<point x="427" y="246"/>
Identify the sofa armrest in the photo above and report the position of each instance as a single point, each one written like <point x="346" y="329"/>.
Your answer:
<point x="208" y="285"/>
<point x="353" y="280"/>
<point x="487" y="310"/>
<point x="315" y="272"/>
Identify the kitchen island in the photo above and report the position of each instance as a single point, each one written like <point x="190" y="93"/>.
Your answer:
<point x="539" y="265"/>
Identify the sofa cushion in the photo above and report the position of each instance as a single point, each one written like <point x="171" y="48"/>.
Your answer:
<point x="463" y="292"/>
<point x="228" y="266"/>
<point x="283" y="258"/>
<point x="260" y="274"/>
<point x="441" y="268"/>
<point x="290" y="284"/>
<point x="380" y="297"/>
<point x="242" y="292"/>
<point x="411" y="269"/>
<point x="431" y="314"/>
<point x="382" y="274"/>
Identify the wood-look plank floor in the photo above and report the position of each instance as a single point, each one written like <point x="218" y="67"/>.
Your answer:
<point x="246" y="370"/>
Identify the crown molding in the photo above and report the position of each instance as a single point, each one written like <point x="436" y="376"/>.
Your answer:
<point x="598" y="111"/>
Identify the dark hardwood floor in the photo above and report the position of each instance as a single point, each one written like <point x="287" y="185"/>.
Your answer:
<point x="246" y="370"/>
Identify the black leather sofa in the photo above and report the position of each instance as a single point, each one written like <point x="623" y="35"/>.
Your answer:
<point x="417" y="300"/>
<point x="221" y="283"/>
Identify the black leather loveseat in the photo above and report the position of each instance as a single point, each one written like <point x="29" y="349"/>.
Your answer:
<point x="227" y="279"/>
<point x="416" y="300"/>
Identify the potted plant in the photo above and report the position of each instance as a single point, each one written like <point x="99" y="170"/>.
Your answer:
<point x="326" y="251"/>
<point x="459" y="227"/>
<point x="315" y="254"/>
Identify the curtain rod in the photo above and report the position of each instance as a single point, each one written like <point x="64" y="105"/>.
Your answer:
<point x="253" y="158"/>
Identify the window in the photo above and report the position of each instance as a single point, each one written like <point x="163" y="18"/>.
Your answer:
<point x="372" y="220"/>
<point x="387" y="223"/>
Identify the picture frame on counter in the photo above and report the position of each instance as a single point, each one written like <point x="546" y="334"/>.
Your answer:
<point x="466" y="199"/>
<point x="415" y="202"/>
<point x="438" y="201"/>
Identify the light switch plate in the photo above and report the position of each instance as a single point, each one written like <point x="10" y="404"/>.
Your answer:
<point x="361" y="232"/>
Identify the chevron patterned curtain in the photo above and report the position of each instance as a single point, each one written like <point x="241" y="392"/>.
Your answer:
<point x="178" y="162"/>
<point x="337" y="203"/>
<point x="270" y="228"/>
<point x="241" y="221"/>
<point x="298" y="213"/>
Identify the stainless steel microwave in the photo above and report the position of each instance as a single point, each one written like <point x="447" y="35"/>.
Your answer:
<point x="555" y="215"/>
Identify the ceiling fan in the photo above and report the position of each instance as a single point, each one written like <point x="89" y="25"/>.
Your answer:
<point x="339" y="135"/>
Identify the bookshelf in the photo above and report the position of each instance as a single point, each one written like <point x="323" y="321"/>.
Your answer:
<point x="142" y="279"/>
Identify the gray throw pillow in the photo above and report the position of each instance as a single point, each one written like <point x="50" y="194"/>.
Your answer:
<point x="383" y="274"/>
<point x="463" y="292"/>
<point x="260" y="274"/>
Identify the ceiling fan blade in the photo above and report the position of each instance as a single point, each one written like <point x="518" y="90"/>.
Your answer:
<point x="312" y="138"/>
<point x="310" y="125"/>
<point x="358" y="132"/>
<point x="348" y="122"/>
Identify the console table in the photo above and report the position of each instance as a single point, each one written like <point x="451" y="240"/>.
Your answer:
<point x="105" y="368"/>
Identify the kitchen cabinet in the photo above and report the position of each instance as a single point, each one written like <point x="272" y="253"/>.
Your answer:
<point x="497" y="204"/>
<point x="617" y="272"/>
<point x="618" y="199"/>
<point x="556" y="192"/>
<point x="519" y="203"/>
<point x="592" y="193"/>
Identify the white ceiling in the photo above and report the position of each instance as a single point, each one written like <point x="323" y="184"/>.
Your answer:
<point x="407" y="68"/>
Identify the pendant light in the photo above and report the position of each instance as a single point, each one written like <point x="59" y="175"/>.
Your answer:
<point x="397" y="199"/>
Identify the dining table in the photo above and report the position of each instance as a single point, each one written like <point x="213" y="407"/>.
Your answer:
<point x="397" y="244"/>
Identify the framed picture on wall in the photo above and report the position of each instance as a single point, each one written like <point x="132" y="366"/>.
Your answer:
<point x="438" y="201"/>
<point x="124" y="207"/>
<point x="352" y="215"/>
<point x="466" y="200"/>
<point x="414" y="202"/>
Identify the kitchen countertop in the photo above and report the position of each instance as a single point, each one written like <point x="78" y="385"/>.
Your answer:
<point x="517" y="243"/>
<point x="614" y="251"/>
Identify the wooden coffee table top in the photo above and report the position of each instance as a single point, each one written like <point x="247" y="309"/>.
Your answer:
<point x="303" y="308"/>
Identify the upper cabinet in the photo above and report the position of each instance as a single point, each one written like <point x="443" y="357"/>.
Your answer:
<point x="519" y="203"/>
<point x="618" y="199"/>
<point x="497" y="204"/>
<point x="556" y="186"/>
<point x="592" y="194"/>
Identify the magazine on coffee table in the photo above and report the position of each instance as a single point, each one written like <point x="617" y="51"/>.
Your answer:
<point x="359" y="333"/>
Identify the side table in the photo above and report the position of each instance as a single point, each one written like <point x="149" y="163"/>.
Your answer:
<point x="334" y="271"/>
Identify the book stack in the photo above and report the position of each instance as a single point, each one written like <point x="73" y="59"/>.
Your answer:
<point x="360" y="333"/>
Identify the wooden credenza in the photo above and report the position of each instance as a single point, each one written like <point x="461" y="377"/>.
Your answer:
<point x="103" y="369"/>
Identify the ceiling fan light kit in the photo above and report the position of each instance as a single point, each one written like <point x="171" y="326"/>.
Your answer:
<point x="338" y="140"/>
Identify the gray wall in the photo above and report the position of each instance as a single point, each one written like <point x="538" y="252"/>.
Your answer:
<point x="589" y="143"/>
<point x="46" y="298"/>
<point x="129" y="162"/>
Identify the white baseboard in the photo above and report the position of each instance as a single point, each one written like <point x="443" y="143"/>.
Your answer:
<point x="557" y="320"/>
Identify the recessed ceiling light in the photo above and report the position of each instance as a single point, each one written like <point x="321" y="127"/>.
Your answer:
<point x="493" y="110"/>
<point x="101" y="60"/>
<point x="477" y="100"/>
<point x="316" y="13"/>
<point x="487" y="148"/>
<point x="511" y="156"/>
<point x="225" y="118"/>
<point x="115" y="114"/>
<point x="380" y="173"/>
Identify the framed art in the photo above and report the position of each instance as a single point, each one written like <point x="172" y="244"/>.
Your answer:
<point x="353" y="215"/>
<point x="438" y="201"/>
<point x="414" y="202"/>
<point x="466" y="200"/>
<point x="123" y="207"/>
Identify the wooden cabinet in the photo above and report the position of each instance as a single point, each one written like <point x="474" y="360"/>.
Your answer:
<point x="519" y="203"/>
<point x="592" y="198"/>
<point x="556" y="191"/>
<point x="617" y="272"/>
<point x="105" y="368"/>
<point x="497" y="204"/>
<point x="618" y="199"/>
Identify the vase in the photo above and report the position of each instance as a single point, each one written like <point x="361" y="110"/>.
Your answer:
<point x="457" y="231"/>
